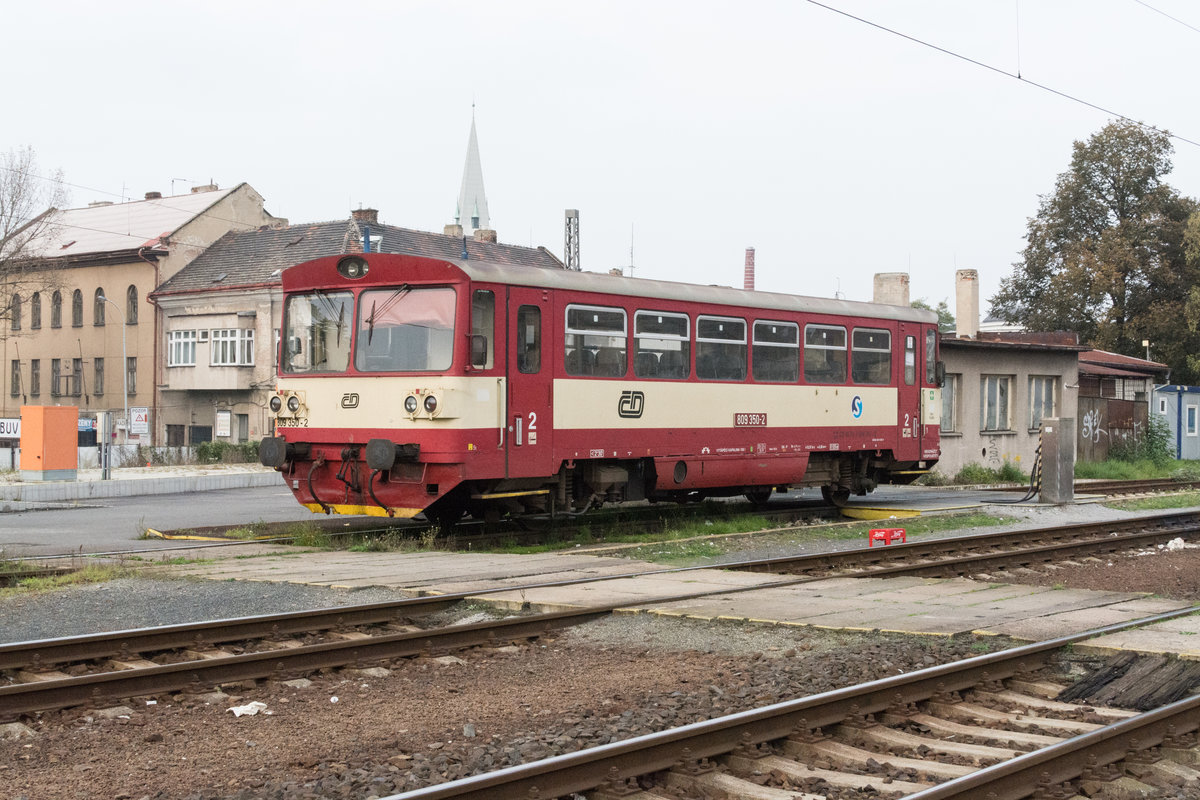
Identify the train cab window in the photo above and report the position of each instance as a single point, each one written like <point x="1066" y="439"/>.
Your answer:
<point x="661" y="346"/>
<point x="910" y="360"/>
<point x="824" y="354"/>
<point x="931" y="357"/>
<point x="595" y="341"/>
<point x="720" y="349"/>
<point x="529" y="339"/>
<point x="871" y="356"/>
<point x="402" y="329"/>
<point x="776" y="355"/>
<point x="483" y="323"/>
<point x="317" y="330"/>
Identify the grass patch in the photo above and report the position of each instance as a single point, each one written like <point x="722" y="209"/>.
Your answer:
<point x="1183" y="500"/>
<point x="1142" y="469"/>
<point x="92" y="573"/>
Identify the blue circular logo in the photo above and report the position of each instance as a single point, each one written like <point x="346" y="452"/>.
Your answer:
<point x="856" y="406"/>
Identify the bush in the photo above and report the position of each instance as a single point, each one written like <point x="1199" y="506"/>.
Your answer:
<point x="1011" y="473"/>
<point x="227" y="453"/>
<point x="974" y="473"/>
<point x="1154" y="445"/>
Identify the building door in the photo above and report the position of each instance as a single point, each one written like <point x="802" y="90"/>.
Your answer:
<point x="530" y="383"/>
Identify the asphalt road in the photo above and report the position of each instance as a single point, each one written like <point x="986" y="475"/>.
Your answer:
<point x="116" y="524"/>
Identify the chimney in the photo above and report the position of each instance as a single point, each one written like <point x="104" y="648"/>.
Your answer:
<point x="208" y="187"/>
<point x="154" y="195"/>
<point x="453" y="230"/>
<point x="891" y="288"/>
<point x="748" y="274"/>
<point x="485" y="235"/>
<point x="367" y="215"/>
<point x="966" y="303"/>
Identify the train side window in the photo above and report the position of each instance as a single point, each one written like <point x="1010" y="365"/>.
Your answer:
<point x="483" y="323"/>
<point x="529" y="339"/>
<point x="661" y="345"/>
<point x="595" y="341"/>
<point x="720" y="349"/>
<point x="776" y="355"/>
<point x="931" y="357"/>
<point x="871" y="356"/>
<point x="910" y="360"/>
<point x="824" y="354"/>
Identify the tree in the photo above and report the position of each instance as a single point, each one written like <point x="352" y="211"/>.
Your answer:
<point x="1105" y="254"/>
<point x="945" y="318"/>
<point x="28" y="201"/>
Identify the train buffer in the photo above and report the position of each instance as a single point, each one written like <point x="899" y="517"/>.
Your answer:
<point x="886" y="535"/>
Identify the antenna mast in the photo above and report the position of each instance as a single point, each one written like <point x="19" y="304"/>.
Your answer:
<point x="571" y="239"/>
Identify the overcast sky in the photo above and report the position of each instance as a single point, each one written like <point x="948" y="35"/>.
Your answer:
<point x="691" y="130"/>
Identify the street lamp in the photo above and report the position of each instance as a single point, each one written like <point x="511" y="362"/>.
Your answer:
<point x="124" y="363"/>
<point x="1146" y="344"/>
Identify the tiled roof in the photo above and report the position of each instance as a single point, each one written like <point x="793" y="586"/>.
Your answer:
<point x="121" y="226"/>
<point x="251" y="258"/>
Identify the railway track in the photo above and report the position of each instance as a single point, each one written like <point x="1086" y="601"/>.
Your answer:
<point x="107" y="667"/>
<point x="984" y="727"/>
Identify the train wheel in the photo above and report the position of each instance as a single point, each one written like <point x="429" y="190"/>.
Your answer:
<point x="758" y="496"/>
<point x="838" y="496"/>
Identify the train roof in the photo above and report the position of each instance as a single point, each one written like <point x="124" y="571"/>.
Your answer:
<point x="602" y="283"/>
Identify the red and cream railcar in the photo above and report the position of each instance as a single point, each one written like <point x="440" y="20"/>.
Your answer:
<point x="410" y="385"/>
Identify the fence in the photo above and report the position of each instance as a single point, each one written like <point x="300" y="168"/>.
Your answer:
<point x="1104" y="420"/>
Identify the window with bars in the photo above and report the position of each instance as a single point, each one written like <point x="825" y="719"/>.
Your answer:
<point x="181" y="349"/>
<point x="232" y="347"/>
<point x="35" y="377"/>
<point x="131" y="375"/>
<point x="77" y="309"/>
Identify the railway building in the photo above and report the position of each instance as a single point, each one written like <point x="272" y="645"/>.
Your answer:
<point x="86" y="336"/>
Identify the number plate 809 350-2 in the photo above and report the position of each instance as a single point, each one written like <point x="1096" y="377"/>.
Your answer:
<point x="747" y="419"/>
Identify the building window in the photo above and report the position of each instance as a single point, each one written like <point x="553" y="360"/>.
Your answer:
<point x="661" y="345"/>
<point x="15" y="312"/>
<point x="776" y="353"/>
<point x="35" y="377"/>
<point x="595" y="341"/>
<point x="1043" y="393"/>
<point x="76" y="378"/>
<point x="98" y="308"/>
<point x="824" y="354"/>
<point x="77" y="309"/>
<point x="950" y="400"/>
<point x="98" y="377"/>
<point x="871" y="356"/>
<point x="35" y="311"/>
<point x="56" y="309"/>
<point x="720" y="349"/>
<point x="14" y="388"/>
<point x="131" y="305"/>
<point x="181" y="349"/>
<point x="1162" y="405"/>
<point x="131" y="375"/>
<point x="55" y="377"/>
<point x="231" y="347"/>
<point x="994" y="399"/>
<point x="1191" y="420"/>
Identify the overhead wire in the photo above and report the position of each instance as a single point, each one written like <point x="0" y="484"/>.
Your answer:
<point x="1004" y="72"/>
<point x="1168" y="16"/>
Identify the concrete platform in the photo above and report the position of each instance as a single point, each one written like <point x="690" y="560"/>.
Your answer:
<point x="17" y="495"/>
<point x="910" y="605"/>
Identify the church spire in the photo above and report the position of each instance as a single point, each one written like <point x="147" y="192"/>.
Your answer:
<point x="472" y="202"/>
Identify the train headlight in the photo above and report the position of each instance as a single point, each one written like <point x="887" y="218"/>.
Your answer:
<point x="352" y="267"/>
<point x="293" y="404"/>
<point x="276" y="404"/>
<point x="430" y="403"/>
<point x="410" y="404"/>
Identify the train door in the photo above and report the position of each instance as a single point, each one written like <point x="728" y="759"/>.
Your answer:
<point x="530" y="383"/>
<point x="908" y="422"/>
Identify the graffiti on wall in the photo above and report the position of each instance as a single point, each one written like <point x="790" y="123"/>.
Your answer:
<point x="1093" y="426"/>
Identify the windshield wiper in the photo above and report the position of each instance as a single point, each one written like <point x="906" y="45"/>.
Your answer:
<point x="391" y="301"/>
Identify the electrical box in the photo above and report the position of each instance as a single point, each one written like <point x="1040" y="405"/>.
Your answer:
<point x="49" y="443"/>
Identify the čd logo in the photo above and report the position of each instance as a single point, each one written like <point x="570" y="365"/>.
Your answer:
<point x="631" y="404"/>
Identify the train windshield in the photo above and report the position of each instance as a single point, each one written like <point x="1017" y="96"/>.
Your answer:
<point x="405" y="330"/>
<point x="317" y="332"/>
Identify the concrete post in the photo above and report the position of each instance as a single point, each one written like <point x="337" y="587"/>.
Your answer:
<point x="1058" y="460"/>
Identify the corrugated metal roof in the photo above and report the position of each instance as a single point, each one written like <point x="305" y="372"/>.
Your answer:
<point x="121" y="226"/>
<point x="253" y="258"/>
<point x="1118" y="360"/>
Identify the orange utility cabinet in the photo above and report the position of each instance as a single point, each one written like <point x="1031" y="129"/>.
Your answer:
<point x="49" y="443"/>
